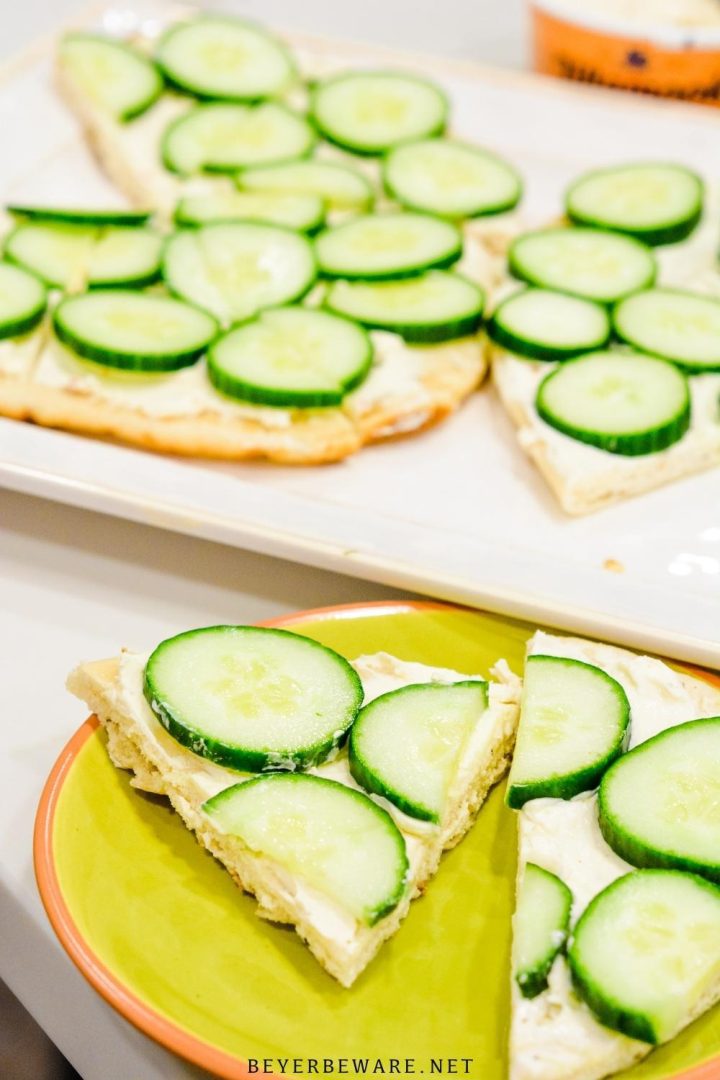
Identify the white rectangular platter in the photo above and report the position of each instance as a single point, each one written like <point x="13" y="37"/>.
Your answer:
<point x="457" y="512"/>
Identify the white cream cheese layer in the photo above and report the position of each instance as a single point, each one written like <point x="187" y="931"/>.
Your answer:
<point x="554" y="1035"/>
<point x="379" y="673"/>
<point x="18" y="354"/>
<point x="679" y="13"/>
<point x="396" y="376"/>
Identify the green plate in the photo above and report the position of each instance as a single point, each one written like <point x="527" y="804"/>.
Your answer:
<point x="158" y="927"/>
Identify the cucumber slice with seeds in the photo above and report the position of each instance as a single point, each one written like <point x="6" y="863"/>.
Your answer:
<point x="406" y="744"/>
<point x="598" y="265"/>
<point x="658" y="805"/>
<point x="574" y="721"/>
<point x="305" y="213"/>
<point x="680" y="326"/>
<point x="432" y="307"/>
<point x="225" y="58"/>
<point x="540" y="927"/>
<point x="133" y="331"/>
<point x="646" y="951"/>
<point x="76" y="216"/>
<point x="340" y="186"/>
<point x="224" y="138"/>
<point x="252" y="698"/>
<point x="291" y="356"/>
<point x="624" y="403"/>
<point x="658" y="204"/>
<point x="235" y="269"/>
<point x="368" y="112"/>
<point x="113" y="76"/>
<point x="452" y="179"/>
<point x="547" y="325"/>
<point x="334" y="838"/>
<point x="71" y="256"/>
<point x="380" y="246"/>
<point x="23" y="300"/>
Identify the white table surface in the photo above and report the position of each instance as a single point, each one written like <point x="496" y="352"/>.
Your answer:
<point x="77" y="585"/>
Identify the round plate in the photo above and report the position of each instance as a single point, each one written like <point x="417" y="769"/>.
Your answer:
<point x="159" y="929"/>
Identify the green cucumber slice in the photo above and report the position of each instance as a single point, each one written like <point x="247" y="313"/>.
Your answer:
<point x="680" y="326"/>
<point x="134" y="331"/>
<point x="452" y="179"/>
<point x="547" y="325"/>
<point x="658" y="805"/>
<point x="224" y="58"/>
<point x="368" y="112"/>
<point x="574" y="721"/>
<point x="305" y="213"/>
<point x="598" y="265"/>
<point x="291" y="356"/>
<point x="76" y="216"/>
<point x="624" y="403"/>
<point x="540" y="927"/>
<point x="252" y="698"/>
<point x="432" y="307"/>
<point x="113" y="76"/>
<point x="646" y="951"/>
<point x="657" y="203"/>
<point x="70" y="256"/>
<point x="223" y="138"/>
<point x="332" y="837"/>
<point x="339" y="186"/>
<point x="235" y="269"/>
<point x="23" y="300"/>
<point x="378" y="246"/>
<point x="406" y="744"/>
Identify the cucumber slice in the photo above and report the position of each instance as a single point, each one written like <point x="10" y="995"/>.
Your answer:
<point x="234" y="270"/>
<point x="339" y="186"/>
<point x="452" y="179"/>
<point x="22" y="301"/>
<point x="332" y="837"/>
<point x="220" y="57"/>
<point x="547" y="325"/>
<point x="680" y="326"/>
<point x="133" y="331"/>
<point x="368" y="112"/>
<point x="432" y="307"/>
<point x="646" y="951"/>
<point x="70" y="256"/>
<point x="291" y="356"/>
<point x="625" y="403"/>
<point x="658" y="805"/>
<point x="406" y="744"/>
<point x="113" y="76"/>
<point x="574" y="721"/>
<point x="659" y="204"/>
<point x="252" y="698"/>
<point x="540" y="927"/>
<point x="223" y="138"/>
<point x="66" y="215"/>
<point x="305" y="213"/>
<point x="600" y="266"/>
<point x="379" y="246"/>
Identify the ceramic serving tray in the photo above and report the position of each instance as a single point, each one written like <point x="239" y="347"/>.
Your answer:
<point x="457" y="512"/>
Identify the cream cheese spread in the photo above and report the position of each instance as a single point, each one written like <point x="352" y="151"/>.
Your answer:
<point x="18" y="354"/>
<point x="554" y="1035"/>
<point x="396" y="376"/>
<point x="679" y="13"/>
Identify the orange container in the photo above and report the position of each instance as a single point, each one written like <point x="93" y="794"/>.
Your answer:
<point x="665" y="47"/>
